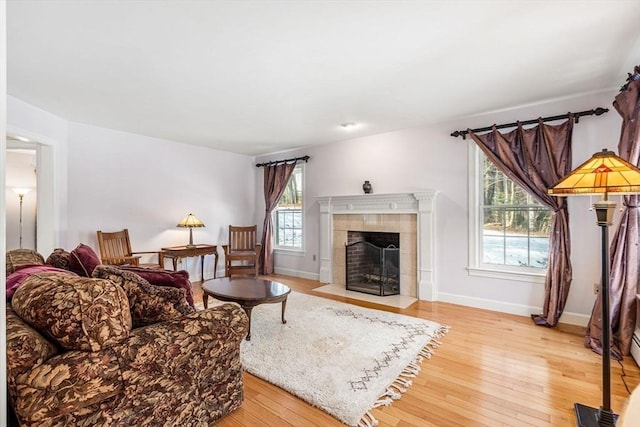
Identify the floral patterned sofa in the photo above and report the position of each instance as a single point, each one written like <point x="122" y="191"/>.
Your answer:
<point x="114" y="350"/>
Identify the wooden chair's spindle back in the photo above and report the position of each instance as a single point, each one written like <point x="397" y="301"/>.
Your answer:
<point x="242" y="238"/>
<point x="116" y="246"/>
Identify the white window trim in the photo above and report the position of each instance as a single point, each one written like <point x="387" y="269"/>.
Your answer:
<point x="476" y="267"/>
<point x="288" y="250"/>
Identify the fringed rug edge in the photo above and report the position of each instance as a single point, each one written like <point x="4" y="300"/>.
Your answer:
<point x="401" y="384"/>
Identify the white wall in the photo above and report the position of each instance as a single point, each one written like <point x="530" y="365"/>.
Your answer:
<point x="429" y="158"/>
<point x="120" y="180"/>
<point x="97" y="178"/>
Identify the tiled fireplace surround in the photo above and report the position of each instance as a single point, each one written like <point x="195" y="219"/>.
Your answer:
<point x="410" y="214"/>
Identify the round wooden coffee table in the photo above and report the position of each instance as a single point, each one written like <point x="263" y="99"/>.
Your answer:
<point x="246" y="291"/>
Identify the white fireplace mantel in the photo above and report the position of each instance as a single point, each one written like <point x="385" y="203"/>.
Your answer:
<point x="420" y="203"/>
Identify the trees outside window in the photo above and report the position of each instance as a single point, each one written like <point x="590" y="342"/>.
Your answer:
<point x="515" y="227"/>
<point x="289" y="214"/>
<point x="509" y="228"/>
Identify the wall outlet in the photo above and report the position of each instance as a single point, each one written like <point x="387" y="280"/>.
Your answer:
<point x="596" y="288"/>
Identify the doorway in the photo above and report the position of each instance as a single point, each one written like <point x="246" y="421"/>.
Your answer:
<point x="21" y="194"/>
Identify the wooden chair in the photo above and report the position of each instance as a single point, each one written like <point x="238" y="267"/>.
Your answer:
<point x="115" y="249"/>
<point x="241" y="254"/>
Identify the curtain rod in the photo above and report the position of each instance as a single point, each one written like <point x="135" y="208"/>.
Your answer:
<point x="277" y="162"/>
<point x="598" y="111"/>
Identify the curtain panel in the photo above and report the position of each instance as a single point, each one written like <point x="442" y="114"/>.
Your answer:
<point x="536" y="159"/>
<point x="276" y="178"/>
<point x="624" y="258"/>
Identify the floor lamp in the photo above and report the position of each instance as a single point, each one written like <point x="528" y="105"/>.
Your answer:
<point x="602" y="174"/>
<point x="21" y="193"/>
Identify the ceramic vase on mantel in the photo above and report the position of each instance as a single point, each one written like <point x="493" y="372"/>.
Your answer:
<point x="366" y="187"/>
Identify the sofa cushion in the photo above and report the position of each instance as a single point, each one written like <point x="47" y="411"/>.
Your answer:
<point x="25" y="349"/>
<point x="73" y="382"/>
<point x="176" y="279"/>
<point x="77" y="313"/>
<point x="83" y="260"/>
<point x="59" y="258"/>
<point x="15" y="279"/>
<point x="17" y="258"/>
<point x="148" y="303"/>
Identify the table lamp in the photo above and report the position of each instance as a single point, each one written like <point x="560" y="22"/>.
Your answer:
<point x="190" y="221"/>
<point x="602" y="174"/>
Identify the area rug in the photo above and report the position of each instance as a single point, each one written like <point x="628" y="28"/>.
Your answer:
<point x="341" y="358"/>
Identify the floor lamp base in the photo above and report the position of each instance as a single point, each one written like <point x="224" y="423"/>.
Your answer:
<point x="592" y="417"/>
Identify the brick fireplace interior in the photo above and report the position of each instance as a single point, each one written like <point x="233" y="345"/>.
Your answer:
<point x="404" y="226"/>
<point x="373" y="262"/>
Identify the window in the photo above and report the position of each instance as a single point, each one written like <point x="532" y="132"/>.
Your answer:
<point x="510" y="229"/>
<point x="288" y="214"/>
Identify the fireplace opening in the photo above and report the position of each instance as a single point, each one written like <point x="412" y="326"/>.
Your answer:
<point x="373" y="262"/>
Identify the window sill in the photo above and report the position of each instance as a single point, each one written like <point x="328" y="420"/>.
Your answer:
<point x="520" y="276"/>
<point x="289" y="251"/>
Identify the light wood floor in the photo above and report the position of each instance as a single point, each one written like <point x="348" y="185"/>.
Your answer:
<point x="492" y="369"/>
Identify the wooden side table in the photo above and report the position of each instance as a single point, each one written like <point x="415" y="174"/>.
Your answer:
<point x="186" y="251"/>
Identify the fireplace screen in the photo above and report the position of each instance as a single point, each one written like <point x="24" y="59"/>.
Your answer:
<point x="373" y="269"/>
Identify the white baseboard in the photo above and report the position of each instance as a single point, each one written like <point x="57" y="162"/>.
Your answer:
<point x="219" y="273"/>
<point x="511" y="308"/>
<point x="296" y="273"/>
<point x="578" y="319"/>
<point x="568" y="318"/>
<point x="283" y="271"/>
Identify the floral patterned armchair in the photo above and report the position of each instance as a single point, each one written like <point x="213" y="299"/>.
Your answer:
<point x="113" y="350"/>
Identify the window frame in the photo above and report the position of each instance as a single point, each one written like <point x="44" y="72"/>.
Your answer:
<point x="476" y="266"/>
<point x="292" y="249"/>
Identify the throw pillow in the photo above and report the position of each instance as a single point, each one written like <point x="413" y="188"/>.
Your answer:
<point x="15" y="279"/>
<point x="176" y="279"/>
<point x="78" y="313"/>
<point x="148" y="303"/>
<point x="83" y="260"/>
<point x="59" y="258"/>
<point x="17" y="258"/>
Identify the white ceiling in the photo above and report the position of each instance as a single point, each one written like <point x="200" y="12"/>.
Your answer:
<point x="256" y="77"/>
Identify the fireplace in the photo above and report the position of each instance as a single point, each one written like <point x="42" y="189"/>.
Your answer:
<point x="372" y="263"/>
<point x="412" y="215"/>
